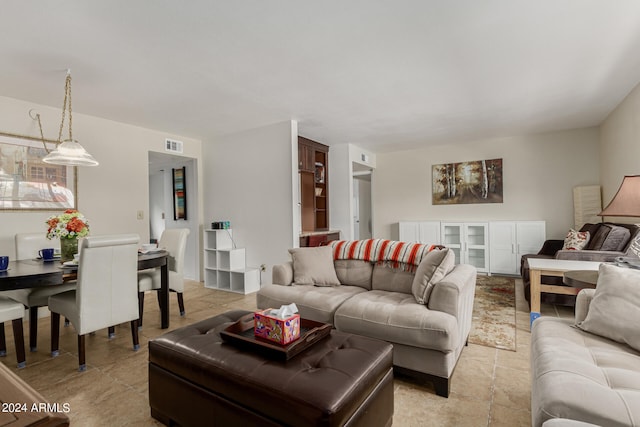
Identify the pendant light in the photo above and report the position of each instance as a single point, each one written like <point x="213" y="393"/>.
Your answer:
<point x="68" y="152"/>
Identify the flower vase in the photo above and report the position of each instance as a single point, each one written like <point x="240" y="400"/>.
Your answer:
<point x="68" y="248"/>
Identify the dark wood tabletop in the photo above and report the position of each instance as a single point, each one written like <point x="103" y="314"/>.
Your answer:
<point x="34" y="273"/>
<point x="30" y="274"/>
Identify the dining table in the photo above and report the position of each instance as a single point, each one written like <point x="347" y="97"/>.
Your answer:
<point x="34" y="273"/>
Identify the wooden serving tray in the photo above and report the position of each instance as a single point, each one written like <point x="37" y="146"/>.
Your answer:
<point x="241" y="334"/>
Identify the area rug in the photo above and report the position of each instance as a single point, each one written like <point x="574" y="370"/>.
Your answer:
<point x="494" y="313"/>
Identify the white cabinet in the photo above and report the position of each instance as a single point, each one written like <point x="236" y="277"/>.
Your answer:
<point x="469" y="241"/>
<point x="419" y="231"/>
<point x="225" y="266"/>
<point x="509" y="240"/>
<point x="491" y="247"/>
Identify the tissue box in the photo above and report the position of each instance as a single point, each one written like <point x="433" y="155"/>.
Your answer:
<point x="281" y="331"/>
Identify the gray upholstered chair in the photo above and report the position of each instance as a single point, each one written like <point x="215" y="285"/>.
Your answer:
<point x="106" y="293"/>
<point x="173" y="240"/>
<point x="27" y="247"/>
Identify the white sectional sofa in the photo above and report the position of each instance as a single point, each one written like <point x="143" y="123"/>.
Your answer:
<point x="587" y="371"/>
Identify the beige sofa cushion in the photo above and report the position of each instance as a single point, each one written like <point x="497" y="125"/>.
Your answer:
<point x="314" y="266"/>
<point x="313" y="302"/>
<point x="433" y="267"/>
<point x="397" y="318"/>
<point x="354" y="272"/>
<point x="582" y="376"/>
<point x="614" y="311"/>
<point x="391" y="279"/>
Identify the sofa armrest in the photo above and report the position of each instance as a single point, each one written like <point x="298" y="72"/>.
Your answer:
<point x="282" y="274"/>
<point x="454" y="295"/>
<point x="550" y="247"/>
<point x="583" y="300"/>
<point x="587" y="255"/>
<point x="448" y="293"/>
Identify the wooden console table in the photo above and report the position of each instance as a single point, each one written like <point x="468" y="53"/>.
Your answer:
<point x="539" y="267"/>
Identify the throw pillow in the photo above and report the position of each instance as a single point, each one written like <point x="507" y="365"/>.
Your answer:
<point x="314" y="266"/>
<point x="597" y="237"/>
<point x="433" y="267"/>
<point x="634" y="246"/>
<point x="617" y="239"/>
<point x="614" y="311"/>
<point x="576" y="240"/>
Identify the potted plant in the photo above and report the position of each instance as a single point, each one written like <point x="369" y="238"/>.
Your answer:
<point x="69" y="226"/>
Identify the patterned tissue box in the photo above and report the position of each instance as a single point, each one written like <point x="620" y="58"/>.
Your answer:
<point x="281" y="331"/>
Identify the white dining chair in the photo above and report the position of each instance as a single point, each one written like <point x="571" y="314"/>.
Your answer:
<point x="14" y="311"/>
<point x="174" y="240"/>
<point x="106" y="292"/>
<point x="27" y="247"/>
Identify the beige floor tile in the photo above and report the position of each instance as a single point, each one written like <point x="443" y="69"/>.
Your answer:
<point x="512" y="388"/>
<point x="502" y="416"/>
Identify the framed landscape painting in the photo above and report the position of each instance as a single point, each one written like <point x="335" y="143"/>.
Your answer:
<point x="27" y="183"/>
<point x="478" y="181"/>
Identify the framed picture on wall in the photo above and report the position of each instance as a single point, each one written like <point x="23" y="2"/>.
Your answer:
<point x="179" y="193"/>
<point x="28" y="183"/>
<point x="477" y="181"/>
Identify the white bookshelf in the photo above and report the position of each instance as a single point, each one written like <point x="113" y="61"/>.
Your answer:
<point x="225" y="266"/>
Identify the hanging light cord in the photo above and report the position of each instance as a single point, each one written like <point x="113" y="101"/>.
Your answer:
<point x="67" y="97"/>
<point x="44" y="144"/>
<point x="67" y="101"/>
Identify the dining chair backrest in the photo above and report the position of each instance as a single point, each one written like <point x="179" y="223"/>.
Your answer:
<point x="174" y="240"/>
<point x="29" y="244"/>
<point x="107" y="292"/>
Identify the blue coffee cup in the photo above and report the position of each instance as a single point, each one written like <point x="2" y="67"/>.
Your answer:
<point x="46" y="254"/>
<point x="4" y="262"/>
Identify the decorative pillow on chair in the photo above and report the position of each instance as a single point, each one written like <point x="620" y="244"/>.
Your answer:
<point x="614" y="311"/>
<point x="314" y="266"/>
<point x="634" y="246"/>
<point x="617" y="239"/>
<point x="576" y="240"/>
<point x="433" y="267"/>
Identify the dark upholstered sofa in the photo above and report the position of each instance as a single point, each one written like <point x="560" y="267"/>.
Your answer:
<point x="607" y="242"/>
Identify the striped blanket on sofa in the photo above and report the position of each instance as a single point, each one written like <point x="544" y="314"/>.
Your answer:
<point x="394" y="254"/>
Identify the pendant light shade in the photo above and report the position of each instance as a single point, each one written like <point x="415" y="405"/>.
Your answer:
<point x="626" y="202"/>
<point x="68" y="152"/>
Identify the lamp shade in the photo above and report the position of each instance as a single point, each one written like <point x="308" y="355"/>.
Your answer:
<point x="70" y="153"/>
<point x="626" y="202"/>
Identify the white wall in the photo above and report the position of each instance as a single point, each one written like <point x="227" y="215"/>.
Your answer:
<point x="340" y="191"/>
<point x="250" y="180"/>
<point x="109" y="195"/>
<point x="539" y="173"/>
<point x="620" y="147"/>
<point x="341" y="160"/>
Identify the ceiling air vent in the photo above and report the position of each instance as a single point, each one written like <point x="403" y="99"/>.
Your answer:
<point x="173" y="145"/>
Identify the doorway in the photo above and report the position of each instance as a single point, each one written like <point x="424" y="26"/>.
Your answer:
<point x="161" y="205"/>
<point x="362" y="206"/>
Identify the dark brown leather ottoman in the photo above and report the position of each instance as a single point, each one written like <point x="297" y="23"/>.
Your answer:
<point x="197" y="379"/>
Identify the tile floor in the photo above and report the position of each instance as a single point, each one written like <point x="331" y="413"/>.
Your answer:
<point x="490" y="387"/>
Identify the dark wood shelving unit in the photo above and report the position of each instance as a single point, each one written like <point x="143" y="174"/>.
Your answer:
<point x="313" y="166"/>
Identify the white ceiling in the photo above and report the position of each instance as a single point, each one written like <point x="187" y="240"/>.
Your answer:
<point x="381" y="74"/>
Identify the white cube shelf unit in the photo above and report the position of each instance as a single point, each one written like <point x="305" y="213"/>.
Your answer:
<point x="225" y="266"/>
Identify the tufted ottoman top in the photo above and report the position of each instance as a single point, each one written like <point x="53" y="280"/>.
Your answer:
<point x="582" y="376"/>
<point x="328" y="381"/>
